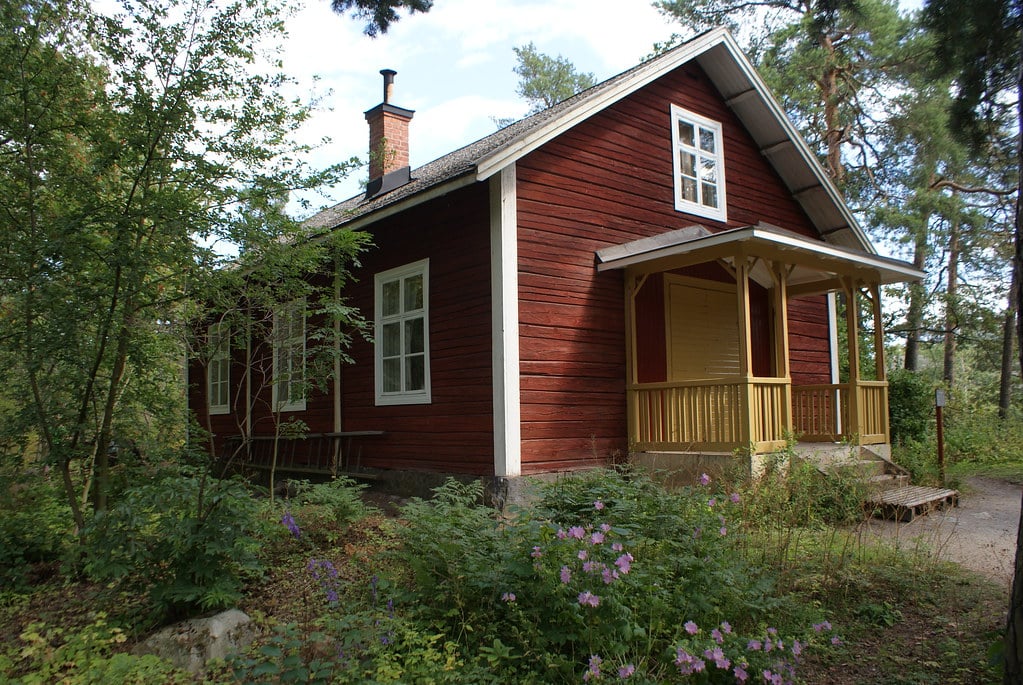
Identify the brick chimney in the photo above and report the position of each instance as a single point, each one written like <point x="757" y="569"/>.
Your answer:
<point x="388" y="142"/>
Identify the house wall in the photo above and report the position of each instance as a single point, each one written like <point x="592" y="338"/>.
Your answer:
<point x="607" y="181"/>
<point x="454" y="433"/>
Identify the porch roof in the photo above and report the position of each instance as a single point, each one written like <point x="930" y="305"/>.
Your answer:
<point x="814" y="266"/>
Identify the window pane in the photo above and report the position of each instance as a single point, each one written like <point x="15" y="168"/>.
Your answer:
<point x="706" y="140"/>
<point x="415" y="372"/>
<point x="391" y="304"/>
<point x="413" y="293"/>
<point x="414" y="336"/>
<point x="686" y="133"/>
<point x="710" y="195"/>
<point x="689" y="189"/>
<point x="392" y="375"/>
<point x="708" y="170"/>
<point x="391" y="339"/>
<point x="687" y="162"/>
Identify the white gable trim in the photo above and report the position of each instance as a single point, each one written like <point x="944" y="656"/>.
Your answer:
<point x="504" y="290"/>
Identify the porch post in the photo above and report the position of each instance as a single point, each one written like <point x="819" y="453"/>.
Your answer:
<point x="632" y="286"/>
<point x="852" y="311"/>
<point x="879" y="362"/>
<point x="748" y="407"/>
<point x="782" y="367"/>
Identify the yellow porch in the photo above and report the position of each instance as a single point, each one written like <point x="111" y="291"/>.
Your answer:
<point x="727" y="381"/>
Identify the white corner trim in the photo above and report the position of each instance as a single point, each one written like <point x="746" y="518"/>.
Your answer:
<point x="504" y="291"/>
<point x="833" y="344"/>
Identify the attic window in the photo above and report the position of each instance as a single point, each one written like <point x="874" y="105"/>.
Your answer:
<point x="699" y="164"/>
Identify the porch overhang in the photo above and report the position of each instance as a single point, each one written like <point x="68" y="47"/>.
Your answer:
<point x="814" y="266"/>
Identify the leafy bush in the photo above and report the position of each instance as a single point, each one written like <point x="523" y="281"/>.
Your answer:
<point x="602" y="576"/>
<point x="910" y="406"/>
<point x="86" y="656"/>
<point x="35" y="525"/>
<point x="186" y="539"/>
<point x="327" y="509"/>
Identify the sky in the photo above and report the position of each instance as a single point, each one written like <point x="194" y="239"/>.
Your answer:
<point x="455" y="66"/>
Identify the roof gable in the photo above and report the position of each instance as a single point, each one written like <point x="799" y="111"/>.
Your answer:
<point x="732" y="74"/>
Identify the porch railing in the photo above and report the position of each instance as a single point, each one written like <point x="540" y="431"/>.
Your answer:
<point x="822" y="412"/>
<point x="723" y="414"/>
<point x="716" y="414"/>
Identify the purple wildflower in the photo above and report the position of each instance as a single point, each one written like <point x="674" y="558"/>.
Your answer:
<point x="691" y="627"/>
<point x="587" y="598"/>
<point x="734" y="497"/>
<point x="289" y="522"/>
<point x="712" y="501"/>
<point x="561" y="534"/>
<point x="717" y="636"/>
<point x="606" y="527"/>
<point x="597" y="538"/>
<point x="726" y="627"/>
<point x="797" y="648"/>
<point x="718" y="657"/>
<point x="598" y="505"/>
<point x="616" y="547"/>
<point x="576" y="532"/>
<point x="508" y="597"/>
<point x="824" y="625"/>
<point x="704" y="479"/>
<point x="624" y="563"/>
<point x="626" y="671"/>
<point x="593" y="670"/>
<point x="592" y="566"/>
<point x="753" y="645"/>
<point x="609" y="575"/>
<point x="536" y="553"/>
<point x="687" y="663"/>
<point x="740" y="673"/>
<point x="566" y="574"/>
<point x="582" y="555"/>
<point x="836" y="640"/>
<point x="723" y="530"/>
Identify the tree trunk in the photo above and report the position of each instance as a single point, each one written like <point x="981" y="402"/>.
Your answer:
<point x="1005" y="378"/>
<point x="915" y="314"/>
<point x="951" y="307"/>
<point x="833" y="132"/>
<point x="1014" y="625"/>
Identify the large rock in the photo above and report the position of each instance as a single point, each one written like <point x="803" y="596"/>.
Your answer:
<point x="190" y="644"/>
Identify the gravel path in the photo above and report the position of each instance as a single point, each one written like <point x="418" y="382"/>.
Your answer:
<point x="979" y="534"/>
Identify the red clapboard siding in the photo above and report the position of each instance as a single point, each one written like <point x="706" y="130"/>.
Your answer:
<point x="454" y="433"/>
<point x="608" y="181"/>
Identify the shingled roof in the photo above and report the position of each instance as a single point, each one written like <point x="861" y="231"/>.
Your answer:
<point x="728" y="68"/>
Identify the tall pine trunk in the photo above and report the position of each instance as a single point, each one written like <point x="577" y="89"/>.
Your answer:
<point x="951" y="304"/>
<point x="1005" y="377"/>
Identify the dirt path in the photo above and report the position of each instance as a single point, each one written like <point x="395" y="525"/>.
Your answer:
<point x="979" y="534"/>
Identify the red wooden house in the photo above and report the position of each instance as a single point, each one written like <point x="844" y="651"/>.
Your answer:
<point x="646" y="268"/>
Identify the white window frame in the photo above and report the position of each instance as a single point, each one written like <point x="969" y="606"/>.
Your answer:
<point x="404" y="396"/>
<point x="683" y="204"/>
<point x="218" y="370"/>
<point x="286" y="339"/>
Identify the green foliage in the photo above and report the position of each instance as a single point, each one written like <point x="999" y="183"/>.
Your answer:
<point x="86" y="656"/>
<point x="186" y="540"/>
<point x="326" y="510"/>
<point x="289" y="656"/>
<point x="35" y="524"/>
<point x="794" y="493"/>
<point x="545" y="81"/>
<point x="910" y="406"/>
<point x="603" y="572"/>
<point x="379" y="14"/>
